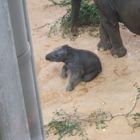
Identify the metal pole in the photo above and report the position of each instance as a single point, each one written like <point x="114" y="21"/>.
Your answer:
<point x="33" y="64"/>
<point x="24" y="55"/>
<point x="13" y="120"/>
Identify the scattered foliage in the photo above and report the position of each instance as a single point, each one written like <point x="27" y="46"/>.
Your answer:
<point x="72" y="124"/>
<point x="136" y="118"/>
<point x="61" y="3"/>
<point x="64" y="124"/>
<point x="88" y="16"/>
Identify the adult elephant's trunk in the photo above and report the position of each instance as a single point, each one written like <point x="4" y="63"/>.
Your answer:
<point x="75" y="15"/>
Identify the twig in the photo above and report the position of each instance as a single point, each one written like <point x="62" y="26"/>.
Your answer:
<point x="99" y="118"/>
<point x="61" y="3"/>
<point x="42" y="26"/>
<point x="131" y="110"/>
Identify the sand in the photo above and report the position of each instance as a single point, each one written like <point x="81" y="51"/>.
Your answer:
<point x="113" y="90"/>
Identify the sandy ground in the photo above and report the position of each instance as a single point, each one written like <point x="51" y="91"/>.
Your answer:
<point x="113" y="90"/>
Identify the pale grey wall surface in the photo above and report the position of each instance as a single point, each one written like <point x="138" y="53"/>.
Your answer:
<point x="20" y="114"/>
<point x="13" y="120"/>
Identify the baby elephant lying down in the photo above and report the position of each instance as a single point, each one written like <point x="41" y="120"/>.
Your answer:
<point x="79" y="65"/>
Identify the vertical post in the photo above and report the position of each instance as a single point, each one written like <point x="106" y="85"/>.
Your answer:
<point x="13" y="120"/>
<point x="24" y="55"/>
<point x="33" y="64"/>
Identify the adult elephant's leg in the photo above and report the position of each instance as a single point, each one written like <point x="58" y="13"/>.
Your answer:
<point x="117" y="50"/>
<point x="109" y="30"/>
<point x="75" y="15"/>
<point x="104" y="43"/>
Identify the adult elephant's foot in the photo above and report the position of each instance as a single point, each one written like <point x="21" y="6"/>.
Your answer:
<point x="74" y="30"/>
<point x="104" y="46"/>
<point x="118" y="52"/>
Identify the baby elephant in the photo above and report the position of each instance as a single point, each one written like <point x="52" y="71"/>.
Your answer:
<point x="79" y="65"/>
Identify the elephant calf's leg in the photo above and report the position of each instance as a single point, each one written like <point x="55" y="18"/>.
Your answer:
<point x="64" y="72"/>
<point x="90" y="76"/>
<point x="74" y="77"/>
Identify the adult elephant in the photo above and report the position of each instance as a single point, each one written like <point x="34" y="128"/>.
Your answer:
<point x="111" y="13"/>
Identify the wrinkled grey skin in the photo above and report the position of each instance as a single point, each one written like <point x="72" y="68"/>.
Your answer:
<point x="79" y="65"/>
<point x="111" y="13"/>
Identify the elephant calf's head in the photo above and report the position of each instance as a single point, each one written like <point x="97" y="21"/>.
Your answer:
<point x="59" y="54"/>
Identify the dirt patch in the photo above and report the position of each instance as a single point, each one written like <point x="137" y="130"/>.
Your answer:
<point x="113" y="90"/>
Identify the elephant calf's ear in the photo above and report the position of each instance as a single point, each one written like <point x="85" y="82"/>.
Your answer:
<point x="65" y="48"/>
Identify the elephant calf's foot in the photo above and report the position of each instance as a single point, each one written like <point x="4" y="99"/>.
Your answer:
<point x="104" y="46"/>
<point x="118" y="52"/>
<point x="69" y="87"/>
<point x="63" y="75"/>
